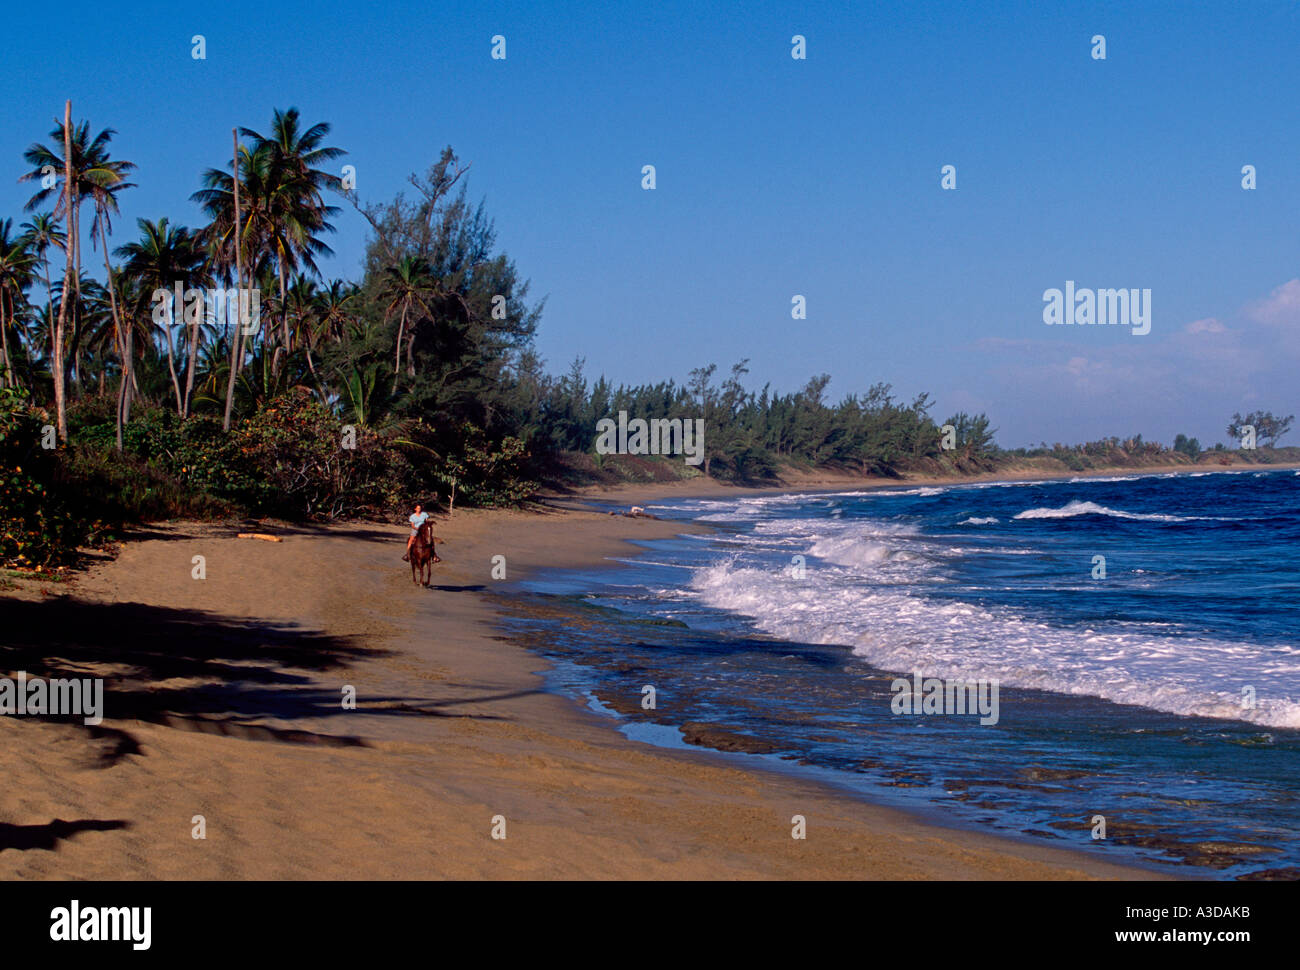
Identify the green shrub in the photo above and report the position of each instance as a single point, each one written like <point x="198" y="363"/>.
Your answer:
<point x="41" y="521"/>
<point x="289" y="459"/>
<point x="480" y="471"/>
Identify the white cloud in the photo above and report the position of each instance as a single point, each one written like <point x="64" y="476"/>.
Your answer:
<point x="1186" y="379"/>
<point x="1279" y="308"/>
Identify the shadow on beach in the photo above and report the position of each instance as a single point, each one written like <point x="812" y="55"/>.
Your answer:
<point x="194" y="670"/>
<point x="187" y="669"/>
<point x="48" y="836"/>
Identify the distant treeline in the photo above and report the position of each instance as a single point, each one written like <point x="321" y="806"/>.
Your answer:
<point x="748" y="434"/>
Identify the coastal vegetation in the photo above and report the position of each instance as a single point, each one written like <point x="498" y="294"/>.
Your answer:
<point x="137" y="382"/>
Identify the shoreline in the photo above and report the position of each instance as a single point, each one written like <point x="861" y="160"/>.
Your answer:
<point x="701" y="487"/>
<point x="453" y="728"/>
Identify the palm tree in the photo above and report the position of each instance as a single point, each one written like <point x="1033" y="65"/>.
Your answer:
<point x="300" y="307"/>
<point x="297" y="205"/>
<point x="231" y="239"/>
<point x="334" y="310"/>
<point x="45" y="159"/>
<point x="213" y="370"/>
<point x="107" y="178"/>
<point x="237" y="338"/>
<point x="16" y="262"/>
<point x="163" y="256"/>
<point x="405" y="288"/>
<point x="43" y="231"/>
<point x="297" y="152"/>
<point x="359" y="383"/>
<point x="283" y="209"/>
<point x="87" y="172"/>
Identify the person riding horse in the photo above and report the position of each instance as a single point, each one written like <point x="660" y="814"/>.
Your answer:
<point x="418" y="518"/>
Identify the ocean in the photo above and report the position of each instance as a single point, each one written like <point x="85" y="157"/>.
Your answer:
<point x="1141" y="633"/>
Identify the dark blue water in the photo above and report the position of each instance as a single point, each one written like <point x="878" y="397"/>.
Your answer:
<point x="1140" y="631"/>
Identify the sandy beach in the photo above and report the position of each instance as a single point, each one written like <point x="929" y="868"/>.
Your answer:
<point x="224" y="700"/>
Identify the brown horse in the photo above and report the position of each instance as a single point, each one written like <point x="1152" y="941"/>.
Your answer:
<point x="424" y="555"/>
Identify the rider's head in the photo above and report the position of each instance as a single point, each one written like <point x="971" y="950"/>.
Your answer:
<point x="419" y="507"/>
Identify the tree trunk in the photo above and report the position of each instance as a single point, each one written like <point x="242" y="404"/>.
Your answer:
<point x="284" y="307"/>
<point x="56" y="339"/>
<point x="130" y="356"/>
<point x="4" y="338"/>
<point x="75" y="342"/>
<point x="189" y="366"/>
<point x="397" y="362"/>
<point x="49" y="299"/>
<point x="121" y="395"/>
<point x="119" y="345"/>
<point x="283" y="347"/>
<point x="237" y="338"/>
<point x="171" y="358"/>
<point x="112" y="299"/>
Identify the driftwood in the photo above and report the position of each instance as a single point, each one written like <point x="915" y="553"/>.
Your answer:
<point x="260" y="535"/>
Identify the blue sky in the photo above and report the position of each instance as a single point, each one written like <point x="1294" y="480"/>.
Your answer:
<point x="778" y="177"/>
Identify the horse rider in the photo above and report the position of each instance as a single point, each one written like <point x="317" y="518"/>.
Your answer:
<point x="418" y="518"/>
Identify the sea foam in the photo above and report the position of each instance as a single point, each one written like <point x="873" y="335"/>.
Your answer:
<point x="1073" y="509"/>
<point x="866" y="589"/>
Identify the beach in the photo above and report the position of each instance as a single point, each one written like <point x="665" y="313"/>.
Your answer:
<point x="225" y="715"/>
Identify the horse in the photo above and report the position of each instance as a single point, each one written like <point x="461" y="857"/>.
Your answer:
<point x="424" y="555"/>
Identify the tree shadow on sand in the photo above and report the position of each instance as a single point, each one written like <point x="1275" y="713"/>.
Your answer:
<point x="47" y="837"/>
<point x="187" y="669"/>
